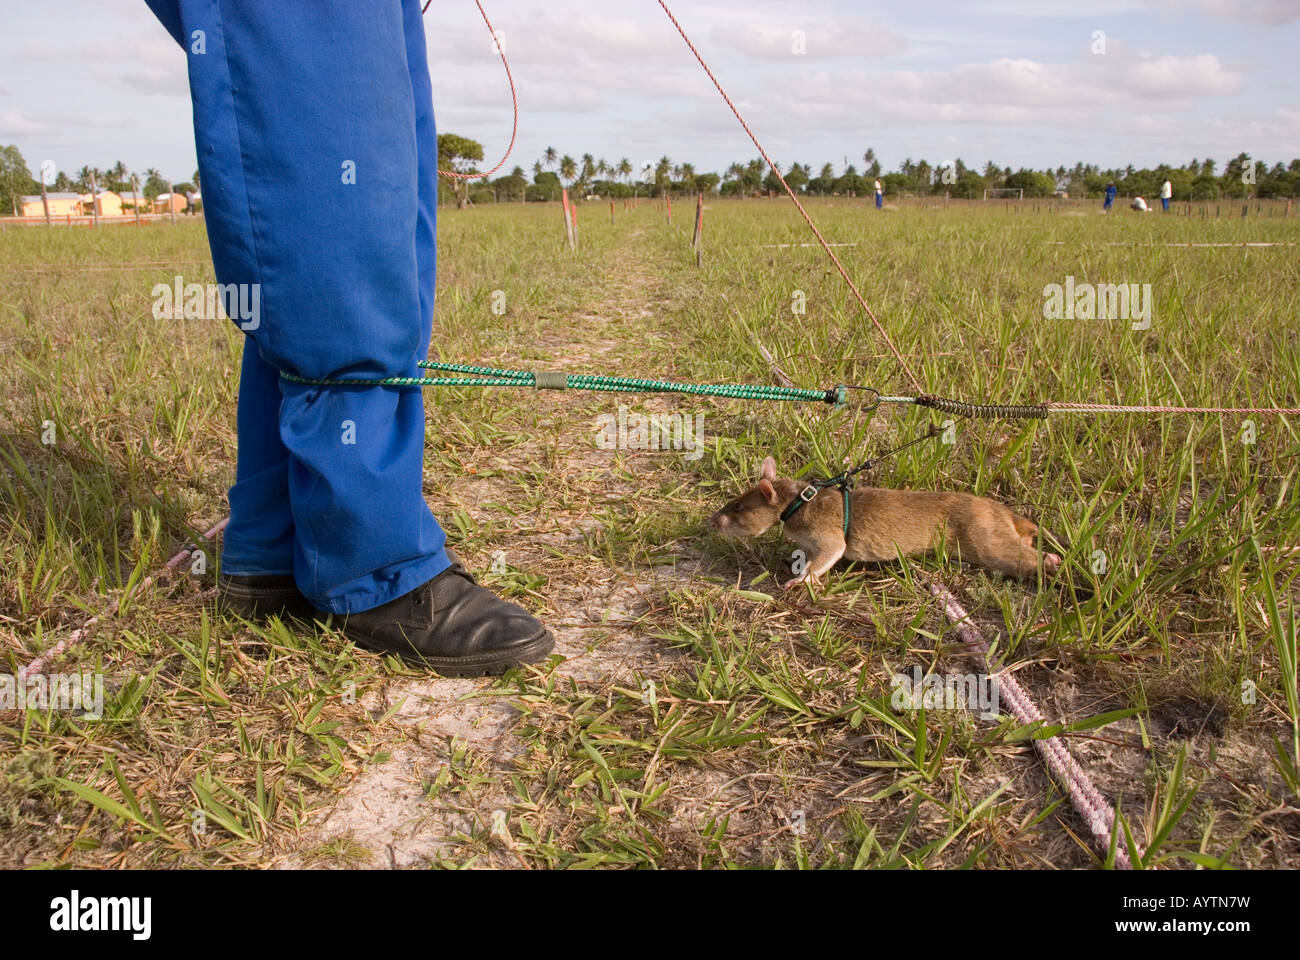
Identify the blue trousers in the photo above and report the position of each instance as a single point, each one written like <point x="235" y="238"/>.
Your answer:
<point x="1164" y="202"/>
<point x="318" y="162"/>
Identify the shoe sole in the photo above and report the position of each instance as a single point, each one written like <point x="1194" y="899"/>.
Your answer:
<point x="262" y="605"/>
<point x="476" y="666"/>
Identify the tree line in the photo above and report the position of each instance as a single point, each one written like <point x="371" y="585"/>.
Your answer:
<point x="1197" y="180"/>
<point x="16" y="181"/>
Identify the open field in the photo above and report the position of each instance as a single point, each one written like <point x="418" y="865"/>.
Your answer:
<point x="693" y="715"/>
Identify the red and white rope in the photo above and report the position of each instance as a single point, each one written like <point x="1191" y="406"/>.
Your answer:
<point x="1095" y="809"/>
<point x="804" y="213"/>
<point x="514" y="102"/>
<point x="1067" y="406"/>
<point x="76" y="636"/>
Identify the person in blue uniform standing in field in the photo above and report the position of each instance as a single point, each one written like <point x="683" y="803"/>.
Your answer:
<point x="317" y="149"/>
<point x="880" y="195"/>
<point x="1112" y="192"/>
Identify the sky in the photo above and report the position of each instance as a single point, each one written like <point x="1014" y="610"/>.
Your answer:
<point x="1034" y="83"/>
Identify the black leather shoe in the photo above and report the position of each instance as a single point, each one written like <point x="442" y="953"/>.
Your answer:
<point x="453" y="626"/>
<point x="260" y="597"/>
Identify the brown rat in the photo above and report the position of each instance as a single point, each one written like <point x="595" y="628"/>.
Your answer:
<point x="885" y="523"/>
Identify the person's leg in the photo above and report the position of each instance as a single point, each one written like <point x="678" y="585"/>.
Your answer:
<point x="317" y="149"/>
<point x="320" y="209"/>
<point x="426" y="138"/>
<point x="259" y="538"/>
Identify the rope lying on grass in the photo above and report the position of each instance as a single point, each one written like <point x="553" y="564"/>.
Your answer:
<point x="1095" y="810"/>
<point x="37" y="666"/>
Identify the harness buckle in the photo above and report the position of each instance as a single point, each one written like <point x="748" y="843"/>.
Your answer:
<point x="807" y="494"/>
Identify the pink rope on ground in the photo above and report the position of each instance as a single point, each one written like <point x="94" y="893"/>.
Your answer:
<point x="1091" y="805"/>
<point x="87" y="628"/>
<point x="1066" y="406"/>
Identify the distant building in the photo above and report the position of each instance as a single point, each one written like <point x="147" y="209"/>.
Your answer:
<point x="61" y="205"/>
<point x="170" y="203"/>
<point x="108" y="203"/>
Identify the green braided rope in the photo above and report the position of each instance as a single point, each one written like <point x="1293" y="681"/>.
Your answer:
<point x="494" y="377"/>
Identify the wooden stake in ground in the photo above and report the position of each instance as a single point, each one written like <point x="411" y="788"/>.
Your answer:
<point x="611" y="212"/>
<point x="669" y="202"/>
<point x="573" y="217"/>
<point x="697" y="241"/>
<point x="45" y="200"/>
<point x="568" y="221"/>
<point x="135" y="198"/>
<point x="94" y="199"/>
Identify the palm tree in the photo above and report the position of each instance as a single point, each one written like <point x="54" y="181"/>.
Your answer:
<point x="624" y="168"/>
<point x="662" y="171"/>
<point x="568" y="169"/>
<point x="549" y="156"/>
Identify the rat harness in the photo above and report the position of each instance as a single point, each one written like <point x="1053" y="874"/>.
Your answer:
<point x="845" y="481"/>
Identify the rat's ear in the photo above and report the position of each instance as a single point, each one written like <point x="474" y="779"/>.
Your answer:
<point x="767" y="490"/>
<point x="769" y="469"/>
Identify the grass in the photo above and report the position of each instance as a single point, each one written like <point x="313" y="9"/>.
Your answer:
<point x="692" y="715"/>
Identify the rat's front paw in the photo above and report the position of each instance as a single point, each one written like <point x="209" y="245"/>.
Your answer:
<point x="1051" y="562"/>
<point x="797" y="581"/>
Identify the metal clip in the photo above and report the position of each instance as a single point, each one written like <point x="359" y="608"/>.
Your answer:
<point x="807" y="494"/>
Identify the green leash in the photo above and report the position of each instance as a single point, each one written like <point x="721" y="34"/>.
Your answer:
<point x="548" y="380"/>
<point x="836" y="396"/>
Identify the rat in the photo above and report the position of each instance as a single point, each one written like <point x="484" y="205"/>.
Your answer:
<point x="882" y="524"/>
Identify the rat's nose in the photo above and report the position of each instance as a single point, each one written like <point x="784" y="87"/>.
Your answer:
<point x="718" y="521"/>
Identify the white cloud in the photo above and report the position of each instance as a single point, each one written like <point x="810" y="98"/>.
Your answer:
<point x="820" y="41"/>
<point x="1182" y="77"/>
<point x="1273" y="13"/>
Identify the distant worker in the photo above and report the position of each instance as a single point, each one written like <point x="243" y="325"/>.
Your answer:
<point x="1166" y="194"/>
<point x="1140" y="205"/>
<point x="1111" y="192"/>
<point x="880" y="195"/>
